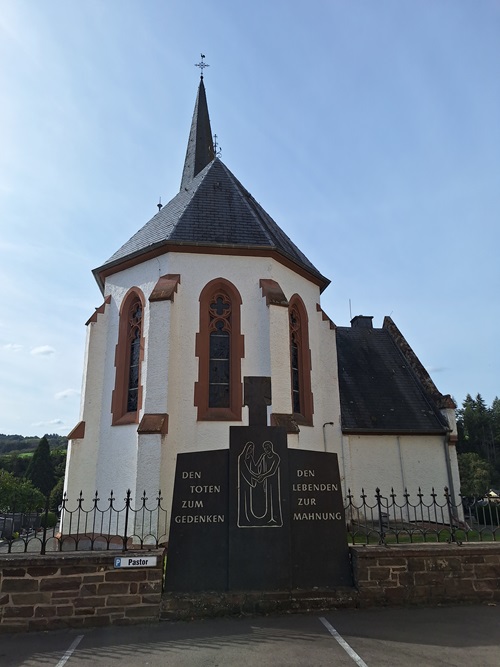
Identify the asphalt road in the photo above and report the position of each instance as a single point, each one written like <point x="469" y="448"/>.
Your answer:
<point x="451" y="636"/>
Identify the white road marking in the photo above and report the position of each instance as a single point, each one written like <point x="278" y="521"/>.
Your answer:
<point x="350" y="652"/>
<point x="69" y="652"/>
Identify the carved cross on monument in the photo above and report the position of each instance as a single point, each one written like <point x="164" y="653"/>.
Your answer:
<point x="257" y="397"/>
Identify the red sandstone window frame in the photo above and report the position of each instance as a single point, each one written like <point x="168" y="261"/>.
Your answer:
<point x="236" y="353"/>
<point x="301" y="332"/>
<point x="119" y="400"/>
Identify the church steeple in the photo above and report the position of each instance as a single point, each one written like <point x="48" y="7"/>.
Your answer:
<point x="200" y="148"/>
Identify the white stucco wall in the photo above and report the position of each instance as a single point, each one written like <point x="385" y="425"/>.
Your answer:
<point x="116" y="457"/>
<point x="82" y="457"/>
<point x="396" y="462"/>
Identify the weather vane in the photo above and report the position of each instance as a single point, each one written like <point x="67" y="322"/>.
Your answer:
<point x="202" y="64"/>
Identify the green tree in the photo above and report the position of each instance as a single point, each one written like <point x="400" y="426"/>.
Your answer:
<point x="475" y="432"/>
<point x="475" y="474"/>
<point x="41" y="469"/>
<point x="56" y="495"/>
<point x="18" y="495"/>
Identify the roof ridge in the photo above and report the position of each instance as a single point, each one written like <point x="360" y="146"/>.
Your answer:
<point x="247" y="196"/>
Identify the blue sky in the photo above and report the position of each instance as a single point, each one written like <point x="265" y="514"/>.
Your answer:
<point x="368" y="130"/>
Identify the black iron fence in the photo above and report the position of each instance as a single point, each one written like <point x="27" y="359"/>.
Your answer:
<point x="85" y="525"/>
<point x="124" y="524"/>
<point x="422" y="517"/>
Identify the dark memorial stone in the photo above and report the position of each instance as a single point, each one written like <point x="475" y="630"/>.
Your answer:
<point x="320" y="555"/>
<point x="258" y="517"/>
<point x="259" y="510"/>
<point x="197" y="558"/>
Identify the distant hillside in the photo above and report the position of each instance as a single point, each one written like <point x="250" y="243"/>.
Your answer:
<point x="21" y="443"/>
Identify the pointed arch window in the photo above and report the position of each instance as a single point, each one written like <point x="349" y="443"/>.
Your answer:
<point x="127" y="394"/>
<point x="219" y="347"/>
<point x="300" y="362"/>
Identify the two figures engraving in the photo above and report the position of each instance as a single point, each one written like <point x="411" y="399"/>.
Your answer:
<point x="259" y="488"/>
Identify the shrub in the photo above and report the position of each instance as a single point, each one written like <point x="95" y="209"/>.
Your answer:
<point x="51" y="520"/>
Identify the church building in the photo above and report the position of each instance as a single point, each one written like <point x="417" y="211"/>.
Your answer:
<point x="210" y="291"/>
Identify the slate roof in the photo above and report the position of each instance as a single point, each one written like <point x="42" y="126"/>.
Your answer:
<point x="200" y="148"/>
<point x="213" y="209"/>
<point x="379" y="392"/>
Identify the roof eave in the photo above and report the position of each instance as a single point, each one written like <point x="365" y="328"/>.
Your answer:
<point x="162" y="247"/>
<point x="385" y="431"/>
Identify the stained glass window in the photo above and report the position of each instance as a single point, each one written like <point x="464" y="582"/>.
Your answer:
<point x="219" y="375"/>
<point x="295" y="359"/>
<point x="134" y="338"/>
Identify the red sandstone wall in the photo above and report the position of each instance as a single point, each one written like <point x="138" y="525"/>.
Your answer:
<point x="427" y="574"/>
<point x="76" y="590"/>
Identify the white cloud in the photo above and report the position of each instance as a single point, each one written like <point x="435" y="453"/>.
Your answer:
<point x="43" y="351"/>
<point x="66" y="393"/>
<point x="12" y="347"/>
<point x="435" y="369"/>
<point x="52" y="422"/>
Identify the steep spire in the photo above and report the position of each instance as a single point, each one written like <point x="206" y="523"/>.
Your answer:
<point x="200" y="148"/>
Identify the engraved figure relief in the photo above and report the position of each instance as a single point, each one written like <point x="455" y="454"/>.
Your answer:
<point x="259" y="488"/>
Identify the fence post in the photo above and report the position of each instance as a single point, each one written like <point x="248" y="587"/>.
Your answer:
<point x="381" y="531"/>
<point x="127" y="507"/>
<point x="45" y="523"/>
<point x="453" y="538"/>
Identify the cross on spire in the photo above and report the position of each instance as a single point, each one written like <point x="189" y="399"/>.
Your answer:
<point x="202" y="64"/>
<point x="217" y="148"/>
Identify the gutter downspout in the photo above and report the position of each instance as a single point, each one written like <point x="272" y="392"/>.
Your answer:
<point x="451" y="486"/>
<point x="324" y="434"/>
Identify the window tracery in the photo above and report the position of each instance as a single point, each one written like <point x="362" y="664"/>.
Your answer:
<point x="127" y="394"/>
<point x="219" y="346"/>
<point x="300" y="362"/>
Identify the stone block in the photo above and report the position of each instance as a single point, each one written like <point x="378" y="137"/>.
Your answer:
<point x="80" y="569"/>
<point x="85" y="611"/>
<point x="81" y="603"/>
<point x="88" y="621"/>
<point x="405" y="578"/>
<point x="42" y="571"/>
<point x="125" y="575"/>
<point x="109" y="611"/>
<point x="18" y="612"/>
<point x="417" y="565"/>
<point x="487" y="571"/>
<point x="61" y="584"/>
<point x="150" y="587"/>
<point x="45" y="611"/>
<point x="485" y="586"/>
<point x="14" y="572"/>
<point x="379" y="574"/>
<point x="125" y="600"/>
<point x="19" y="585"/>
<point x="393" y="562"/>
<point x="150" y="611"/>
<point x="112" y="589"/>
<point x="39" y="624"/>
<point x="64" y="611"/>
<point x="397" y="595"/>
<point x="152" y="598"/>
<point x="20" y="599"/>
<point x="426" y="578"/>
<point x="93" y="578"/>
